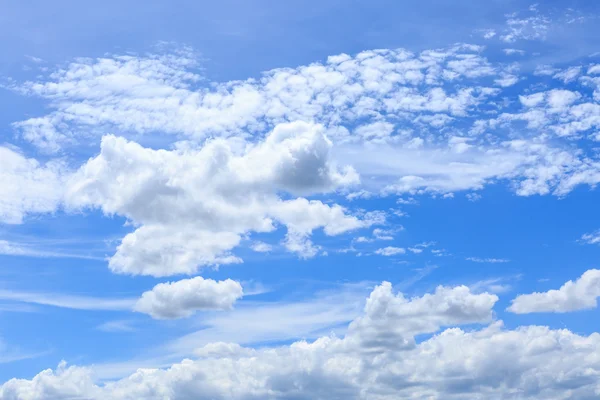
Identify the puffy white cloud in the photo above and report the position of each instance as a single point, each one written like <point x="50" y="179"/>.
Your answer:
<point x="571" y="296"/>
<point x="377" y="359"/>
<point x="68" y="301"/>
<point x="27" y="186"/>
<point x="26" y="250"/>
<point x="181" y="299"/>
<point x="193" y="206"/>
<point x="391" y="321"/>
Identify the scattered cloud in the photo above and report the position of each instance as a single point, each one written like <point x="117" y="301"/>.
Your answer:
<point x="390" y="251"/>
<point x="572" y="296"/>
<point x="493" y="359"/>
<point x="181" y="299"/>
<point x="591" y="238"/>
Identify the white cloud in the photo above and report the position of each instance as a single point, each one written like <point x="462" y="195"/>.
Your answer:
<point x="473" y="197"/>
<point x="594" y="69"/>
<point x="568" y="75"/>
<point x="591" y="238"/>
<point x="390" y="251"/>
<point x="506" y="80"/>
<point x="571" y="296"/>
<point x="371" y="105"/>
<point x="261" y="247"/>
<point x="67" y="301"/>
<point x="194" y="205"/>
<point x="27" y="186"/>
<point x="377" y="359"/>
<point x="181" y="299"/>
<point x="487" y="260"/>
<point x="24" y="250"/>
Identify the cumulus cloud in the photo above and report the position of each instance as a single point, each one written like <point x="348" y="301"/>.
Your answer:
<point x="572" y="296"/>
<point x="182" y="298"/>
<point x="193" y="206"/>
<point x="391" y="114"/>
<point x="377" y="359"/>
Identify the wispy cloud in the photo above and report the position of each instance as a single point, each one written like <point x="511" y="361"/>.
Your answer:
<point x="8" y="248"/>
<point x="487" y="260"/>
<point x="68" y="301"/>
<point x="117" y="326"/>
<point x="591" y="238"/>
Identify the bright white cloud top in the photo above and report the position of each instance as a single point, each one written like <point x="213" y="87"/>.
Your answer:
<point x="572" y="296"/>
<point x="378" y="358"/>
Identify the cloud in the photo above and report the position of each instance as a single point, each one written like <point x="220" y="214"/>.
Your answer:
<point x="193" y="206"/>
<point x="509" y="52"/>
<point x="261" y="247"/>
<point x="158" y="93"/>
<point x="487" y="260"/>
<point x="9" y="248"/>
<point x="378" y="358"/>
<point x="28" y="186"/>
<point x="181" y="299"/>
<point x="67" y="301"/>
<point x="117" y="326"/>
<point x="572" y="296"/>
<point x="397" y="117"/>
<point x="591" y="238"/>
<point x="390" y="251"/>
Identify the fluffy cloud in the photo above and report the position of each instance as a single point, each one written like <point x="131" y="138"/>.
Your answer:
<point x="377" y="359"/>
<point x="192" y="206"/>
<point x="399" y="118"/>
<point x="182" y="298"/>
<point x="27" y="186"/>
<point x="571" y="296"/>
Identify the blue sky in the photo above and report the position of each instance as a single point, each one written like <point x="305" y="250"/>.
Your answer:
<point x="219" y="193"/>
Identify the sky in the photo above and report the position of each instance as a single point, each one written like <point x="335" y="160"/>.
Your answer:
<point x="299" y="200"/>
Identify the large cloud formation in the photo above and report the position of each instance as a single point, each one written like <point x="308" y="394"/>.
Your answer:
<point x="380" y="357"/>
<point x="193" y="206"/>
